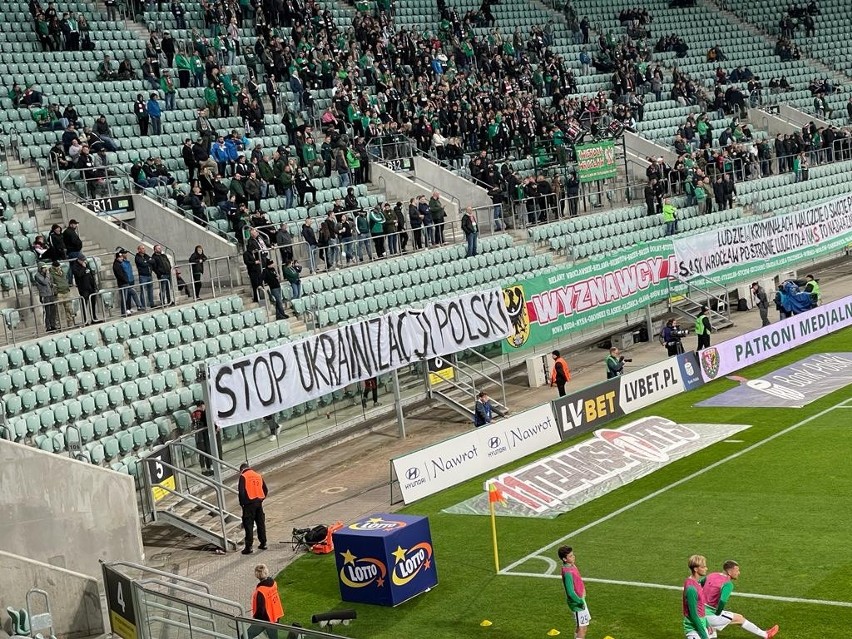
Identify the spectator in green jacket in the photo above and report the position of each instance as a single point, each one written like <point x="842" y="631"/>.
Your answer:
<point x="376" y="222"/>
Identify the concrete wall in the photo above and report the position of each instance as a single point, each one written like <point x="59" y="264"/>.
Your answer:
<point x="166" y="227"/>
<point x="100" y="230"/>
<point x="788" y="120"/>
<point x="399" y="188"/>
<point x="66" y="513"/>
<point x="75" y="602"/>
<point x="466" y="192"/>
<point x="638" y="148"/>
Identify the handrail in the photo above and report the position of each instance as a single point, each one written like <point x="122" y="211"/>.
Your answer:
<point x="452" y="198"/>
<point x="161" y="573"/>
<point x="499" y="368"/>
<point x="190" y="591"/>
<point x="216" y="460"/>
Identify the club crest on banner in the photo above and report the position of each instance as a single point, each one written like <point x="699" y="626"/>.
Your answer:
<point x="516" y="305"/>
<point x="710" y="362"/>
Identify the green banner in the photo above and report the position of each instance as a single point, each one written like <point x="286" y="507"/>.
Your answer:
<point x="595" y="161"/>
<point x="546" y="307"/>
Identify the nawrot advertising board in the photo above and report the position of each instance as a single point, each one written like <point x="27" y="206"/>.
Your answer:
<point x="546" y="307"/>
<point x="758" y="345"/>
<point x="449" y="462"/>
<point x="385" y="559"/>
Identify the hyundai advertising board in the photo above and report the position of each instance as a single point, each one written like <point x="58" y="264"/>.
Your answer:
<point x="385" y="559"/>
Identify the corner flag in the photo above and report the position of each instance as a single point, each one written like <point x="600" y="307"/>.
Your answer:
<point x="494" y="496"/>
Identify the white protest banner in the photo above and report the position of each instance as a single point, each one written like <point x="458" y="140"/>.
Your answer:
<point x="759" y="344"/>
<point x="452" y="461"/>
<point x="753" y="247"/>
<point x="269" y="381"/>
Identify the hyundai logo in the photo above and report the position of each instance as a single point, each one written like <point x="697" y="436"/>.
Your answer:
<point x="412" y="473"/>
<point x="494" y="442"/>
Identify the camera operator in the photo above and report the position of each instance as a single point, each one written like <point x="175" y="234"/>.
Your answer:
<point x="615" y="363"/>
<point x="671" y="337"/>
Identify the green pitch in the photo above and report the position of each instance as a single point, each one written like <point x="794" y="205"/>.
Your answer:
<point x="778" y="501"/>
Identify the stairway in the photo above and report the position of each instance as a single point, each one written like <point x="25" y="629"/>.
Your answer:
<point x="201" y="521"/>
<point x="469" y="377"/>
<point x="700" y="292"/>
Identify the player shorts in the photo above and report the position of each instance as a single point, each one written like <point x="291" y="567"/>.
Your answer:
<point x="720" y="622"/>
<point x="582" y="617"/>
<point x="692" y="634"/>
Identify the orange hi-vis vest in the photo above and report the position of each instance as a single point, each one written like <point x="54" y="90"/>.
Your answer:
<point x="557" y="364"/>
<point x="272" y="603"/>
<point x="253" y="484"/>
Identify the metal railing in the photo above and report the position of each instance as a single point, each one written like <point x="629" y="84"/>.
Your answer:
<point x="184" y="477"/>
<point x="396" y="152"/>
<point x="592" y="197"/>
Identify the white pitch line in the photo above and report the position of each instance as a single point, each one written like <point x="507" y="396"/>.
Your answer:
<point x="736" y="593"/>
<point x="665" y="489"/>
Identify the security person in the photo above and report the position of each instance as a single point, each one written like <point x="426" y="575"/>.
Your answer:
<point x="702" y="329"/>
<point x="252" y="492"/>
<point x="265" y="603"/>
<point x="812" y="287"/>
<point x="614" y="363"/>
<point x="559" y="374"/>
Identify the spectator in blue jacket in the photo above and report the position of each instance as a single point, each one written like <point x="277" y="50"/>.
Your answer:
<point x="154" y="115"/>
<point x="222" y="155"/>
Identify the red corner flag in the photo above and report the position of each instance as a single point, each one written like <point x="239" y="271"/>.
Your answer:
<point x="494" y="495"/>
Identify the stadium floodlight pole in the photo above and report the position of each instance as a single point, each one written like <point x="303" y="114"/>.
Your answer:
<point x="397" y="400"/>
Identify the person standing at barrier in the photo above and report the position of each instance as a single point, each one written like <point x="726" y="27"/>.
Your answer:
<point x="47" y="296"/>
<point x="702" y="329"/>
<point x="265" y="603"/>
<point x="143" y="269"/>
<point x="470" y="230"/>
<point x="671" y="337"/>
<point x="252" y="491"/>
<point x="371" y="386"/>
<point x="483" y="412"/>
<point x="575" y="591"/>
<point x="762" y="302"/>
<point x="196" y="261"/>
<point x="559" y="374"/>
<point x="87" y="286"/>
<point x="438" y="217"/>
<point x="162" y="267"/>
<point x="63" y="292"/>
<point x="615" y="363"/>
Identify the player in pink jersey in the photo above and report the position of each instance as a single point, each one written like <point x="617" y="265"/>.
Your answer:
<point x="575" y="591"/>
<point x="718" y="586"/>
<point x="694" y="603"/>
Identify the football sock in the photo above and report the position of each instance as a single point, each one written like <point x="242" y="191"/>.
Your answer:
<point x="750" y="627"/>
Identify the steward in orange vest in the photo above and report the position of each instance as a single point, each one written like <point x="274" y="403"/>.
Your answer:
<point x="252" y="491"/>
<point x="265" y="603"/>
<point x="559" y="374"/>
